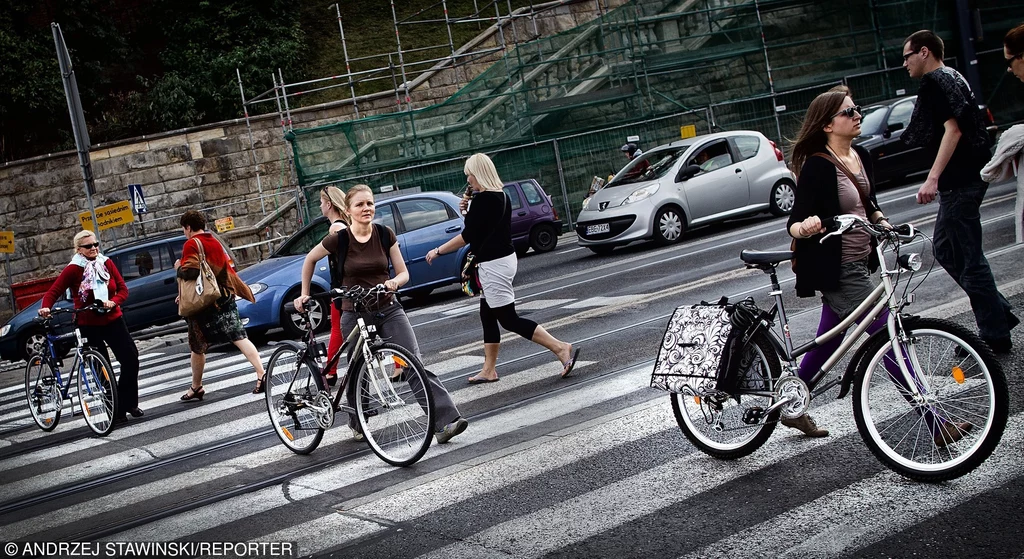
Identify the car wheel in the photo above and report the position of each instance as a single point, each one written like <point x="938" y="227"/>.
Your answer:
<point x="782" y="198"/>
<point x="32" y="342"/>
<point x="319" y="314"/>
<point x="419" y="293"/>
<point x="601" y="249"/>
<point x="543" y="238"/>
<point x="669" y="225"/>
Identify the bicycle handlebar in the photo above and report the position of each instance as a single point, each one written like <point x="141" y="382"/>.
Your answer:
<point x="354" y="293"/>
<point x="842" y="223"/>
<point x="95" y="306"/>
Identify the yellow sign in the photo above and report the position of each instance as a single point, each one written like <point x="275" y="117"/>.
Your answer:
<point x="688" y="131"/>
<point x="225" y="224"/>
<point x="111" y="215"/>
<point x="7" y="242"/>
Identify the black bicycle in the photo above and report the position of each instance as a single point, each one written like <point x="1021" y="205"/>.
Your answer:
<point x="390" y="399"/>
<point x="44" y="384"/>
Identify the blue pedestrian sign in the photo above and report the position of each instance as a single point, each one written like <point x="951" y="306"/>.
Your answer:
<point x="137" y="199"/>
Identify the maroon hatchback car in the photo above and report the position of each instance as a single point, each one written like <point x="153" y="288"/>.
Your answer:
<point x="535" y="223"/>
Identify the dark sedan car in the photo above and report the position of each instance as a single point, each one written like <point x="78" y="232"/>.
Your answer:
<point x="880" y="131"/>
<point x="148" y="269"/>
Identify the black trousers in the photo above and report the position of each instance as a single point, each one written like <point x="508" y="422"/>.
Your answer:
<point x="115" y="336"/>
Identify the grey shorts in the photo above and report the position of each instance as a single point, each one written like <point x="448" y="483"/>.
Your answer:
<point x="855" y="284"/>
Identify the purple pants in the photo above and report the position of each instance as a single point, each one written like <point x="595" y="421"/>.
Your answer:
<point x="815" y="358"/>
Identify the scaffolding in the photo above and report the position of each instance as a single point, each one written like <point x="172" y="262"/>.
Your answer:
<point x="752" y="64"/>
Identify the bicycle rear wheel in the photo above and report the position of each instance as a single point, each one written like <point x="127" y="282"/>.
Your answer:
<point x="396" y="414"/>
<point x="45" y="400"/>
<point x="716" y="425"/>
<point x="97" y="392"/>
<point x="300" y="409"/>
<point x="962" y="418"/>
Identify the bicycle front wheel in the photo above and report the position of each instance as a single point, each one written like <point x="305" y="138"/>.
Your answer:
<point x="97" y="392"/>
<point x="45" y="400"/>
<point x="960" y="419"/>
<point x="300" y="410"/>
<point x="394" y="406"/>
<point x="732" y="427"/>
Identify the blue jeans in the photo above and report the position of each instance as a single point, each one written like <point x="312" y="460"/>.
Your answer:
<point x="957" y="245"/>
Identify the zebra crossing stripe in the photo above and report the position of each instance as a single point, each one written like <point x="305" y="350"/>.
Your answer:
<point x="822" y="526"/>
<point x="368" y="466"/>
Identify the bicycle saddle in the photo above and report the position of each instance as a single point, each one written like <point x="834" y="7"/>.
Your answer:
<point x="763" y="257"/>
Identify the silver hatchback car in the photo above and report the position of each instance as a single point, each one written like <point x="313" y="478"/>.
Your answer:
<point x="686" y="183"/>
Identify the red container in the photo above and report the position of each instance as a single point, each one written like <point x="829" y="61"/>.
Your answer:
<point x="28" y="292"/>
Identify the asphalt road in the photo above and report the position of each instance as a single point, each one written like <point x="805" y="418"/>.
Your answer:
<point x="591" y="466"/>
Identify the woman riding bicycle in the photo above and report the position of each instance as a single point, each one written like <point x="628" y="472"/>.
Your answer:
<point x="827" y="164"/>
<point x="365" y="264"/>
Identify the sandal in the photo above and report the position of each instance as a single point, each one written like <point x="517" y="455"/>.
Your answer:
<point x="568" y="365"/>
<point x="261" y="386"/>
<point x="193" y="393"/>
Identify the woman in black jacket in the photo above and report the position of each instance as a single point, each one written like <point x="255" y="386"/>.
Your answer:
<point x="489" y="233"/>
<point x="827" y="164"/>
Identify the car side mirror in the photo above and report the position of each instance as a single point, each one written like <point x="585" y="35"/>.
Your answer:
<point x="688" y="172"/>
<point x="892" y="128"/>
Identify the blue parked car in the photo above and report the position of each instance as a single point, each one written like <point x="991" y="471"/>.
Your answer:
<point x="422" y="221"/>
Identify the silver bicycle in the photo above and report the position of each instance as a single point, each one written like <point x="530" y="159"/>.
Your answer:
<point x="929" y="398"/>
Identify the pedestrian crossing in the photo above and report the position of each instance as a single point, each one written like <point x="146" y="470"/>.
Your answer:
<point x="594" y="467"/>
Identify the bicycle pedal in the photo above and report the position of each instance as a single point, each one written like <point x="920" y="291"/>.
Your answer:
<point x="753" y="416"/>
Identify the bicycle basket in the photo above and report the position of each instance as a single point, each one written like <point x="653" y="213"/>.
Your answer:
<point x="692" y="346"/>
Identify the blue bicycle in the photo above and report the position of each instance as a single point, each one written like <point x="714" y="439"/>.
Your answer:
<point x="45" y="388"/>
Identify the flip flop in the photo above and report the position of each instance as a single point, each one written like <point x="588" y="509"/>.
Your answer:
<point x="480" y="380"/>
<point x="568" y="365"/>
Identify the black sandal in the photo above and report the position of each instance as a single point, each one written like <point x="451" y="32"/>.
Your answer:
<point x="196" y="394"/>
<point x="261" y="386"/>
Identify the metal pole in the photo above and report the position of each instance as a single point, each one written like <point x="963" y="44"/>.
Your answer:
<point x="284" y="96"/>
<point x="561" y="180"/>
<point x="401" y="59"/>
<point x="768" y="69"/>
<point x="10" y="282"/>
<point x="970" y="59"/>
<point x="252" y="144"/>
<point x="78" y="127"/>
<point x="348" y="69"/>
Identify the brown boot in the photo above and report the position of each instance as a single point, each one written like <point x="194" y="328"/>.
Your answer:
<point x="950" y="433"/>
<point x="805" y="424"/>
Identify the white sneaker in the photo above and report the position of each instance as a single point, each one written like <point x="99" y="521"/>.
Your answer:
<point x="357" y="435"/>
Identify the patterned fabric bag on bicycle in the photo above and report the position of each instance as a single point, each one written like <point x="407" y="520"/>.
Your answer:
<point x="703" y="346"/>
<point x="692" y="347"/>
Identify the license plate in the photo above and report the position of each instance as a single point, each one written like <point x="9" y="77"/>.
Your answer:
<point x="599" y="228"/>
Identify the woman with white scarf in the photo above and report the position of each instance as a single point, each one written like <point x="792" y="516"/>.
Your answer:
<point x="1009" y="154"/>
<point x="92" y="278"/>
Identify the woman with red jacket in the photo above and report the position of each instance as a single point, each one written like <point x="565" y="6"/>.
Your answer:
<point x="93" y="277"/>
<point x="218" y="324"/>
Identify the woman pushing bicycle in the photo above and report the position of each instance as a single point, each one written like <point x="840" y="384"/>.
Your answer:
<point x="362" y="254"/>
<point x="834" y="177"/>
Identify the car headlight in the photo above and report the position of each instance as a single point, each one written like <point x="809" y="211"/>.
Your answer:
<point x="4" y="330"/>
<point x="641" y="194"/>
<point x="586" y="202"/>
<point x="255" y="288"/>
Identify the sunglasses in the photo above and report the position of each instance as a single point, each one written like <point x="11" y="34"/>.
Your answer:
<point x="848" y="112"/>
<point x="909" y="54"/>
<point x="89" y="246"/>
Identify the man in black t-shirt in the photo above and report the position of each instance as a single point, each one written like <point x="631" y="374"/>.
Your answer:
<point x="948" y="125"/>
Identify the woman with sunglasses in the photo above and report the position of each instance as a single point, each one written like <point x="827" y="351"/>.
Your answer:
<point x="826" y="164"/>
<point x="1009" y="154"/>
<point x="92" y="278"/>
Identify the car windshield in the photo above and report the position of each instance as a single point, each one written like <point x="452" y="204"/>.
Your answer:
<point x="303" y="241"/>
<point x="872" y="120"/>
<point x="649" y="166"/>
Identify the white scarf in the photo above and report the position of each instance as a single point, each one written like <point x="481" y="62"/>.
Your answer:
<point x="94" y="277"/>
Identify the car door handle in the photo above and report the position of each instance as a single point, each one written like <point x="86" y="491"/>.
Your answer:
<point x="738" y="170"/>
<point x="453" y="229"/>
<point x="521" y="213"/>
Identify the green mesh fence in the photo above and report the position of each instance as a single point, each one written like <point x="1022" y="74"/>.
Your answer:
<point x="546" y="108"/>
